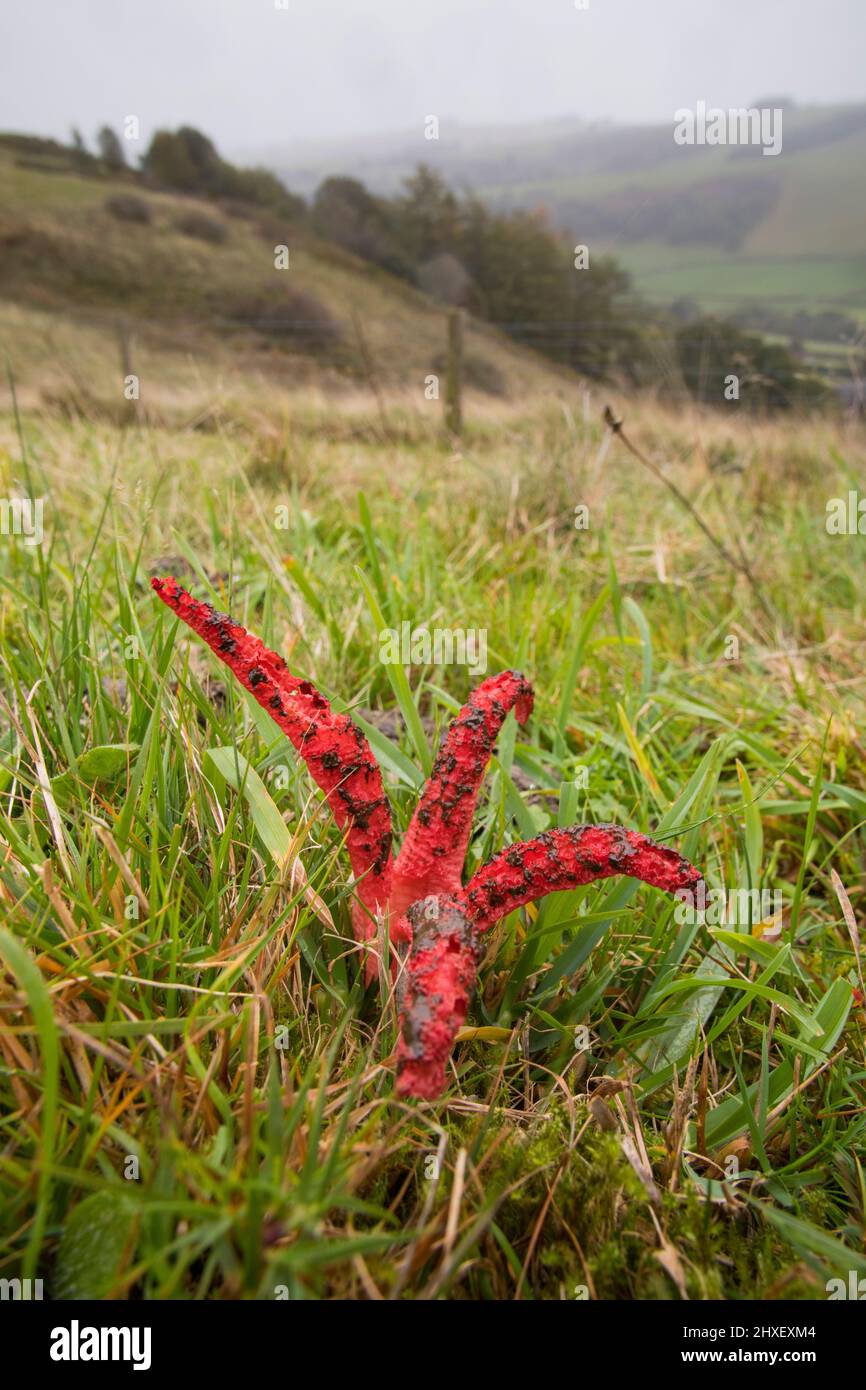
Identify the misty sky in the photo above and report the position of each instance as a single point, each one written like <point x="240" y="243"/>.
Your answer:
<point x="256" y="77"/>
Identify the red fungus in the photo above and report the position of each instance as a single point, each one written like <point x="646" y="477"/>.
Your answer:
<point x="420" y="894"/>
<point x="565" y="859"/>
<point x="442" y="964"/>
<point x="434" y="846"/>
<point x="440" y="979"/>
<point x="332" y="745"/>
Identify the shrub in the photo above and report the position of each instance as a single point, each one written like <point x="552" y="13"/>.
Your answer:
<point x="110" y="148"/>
<point x="186" y="159"/>
<point x="128" y="207"/>
<point x="294" y="318"/>
<point x="444" y="278"/>
<point x="712" y="351"/>
<point x="204" y="228"/>
<point x="183" y="159"/>
<point x="347" y="215"/>
<point x="243" y="212"/>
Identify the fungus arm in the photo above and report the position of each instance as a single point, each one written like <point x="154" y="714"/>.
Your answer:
<point x="440" y="972"/>
<point x="434" y="848"/>
<point x="562" y="859"/>
<point x="440" y="979"/>
<point x="332" y="745"/>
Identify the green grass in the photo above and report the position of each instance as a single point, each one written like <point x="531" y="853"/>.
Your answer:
<point x="197" y="1091"/>
<point x="722" y="284"/>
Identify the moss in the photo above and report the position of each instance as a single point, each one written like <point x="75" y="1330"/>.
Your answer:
<point x="600" y="1205"/>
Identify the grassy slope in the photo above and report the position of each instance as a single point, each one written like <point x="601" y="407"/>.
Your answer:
<point x="63" y="252"/>
<point x="178" y="998"/>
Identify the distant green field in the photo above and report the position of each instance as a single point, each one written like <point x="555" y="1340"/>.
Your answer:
<point x="721" y="283"/>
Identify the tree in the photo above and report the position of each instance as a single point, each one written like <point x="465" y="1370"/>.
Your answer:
<point x="184" y="159"/>
<point x="712" y="351"/>
<point x="524" y="279"/>
<point x="345" y="212"/>
<point x="187" y="160"/>
<point x="427" y="216"/>
<point x="110" y="148"/>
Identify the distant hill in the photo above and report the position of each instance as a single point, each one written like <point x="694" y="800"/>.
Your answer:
<point x="106" y="252"/>
<point x="723" y="226"/>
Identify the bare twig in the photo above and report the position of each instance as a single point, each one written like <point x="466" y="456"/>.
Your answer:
<point x="740" y="565"/>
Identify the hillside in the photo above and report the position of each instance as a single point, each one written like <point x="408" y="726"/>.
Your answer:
<point x="724" y="226"/>
<point x="180" y="278"/>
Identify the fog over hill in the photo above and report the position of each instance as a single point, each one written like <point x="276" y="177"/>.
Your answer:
<point x="282" y="72"/>
<point x="506" y="157"/>
<point x="723" y="223"/>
